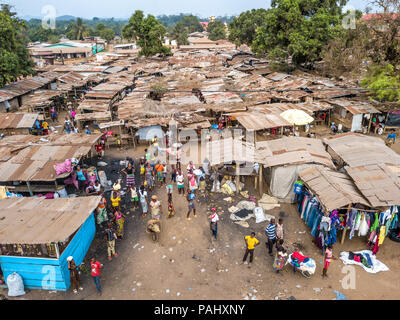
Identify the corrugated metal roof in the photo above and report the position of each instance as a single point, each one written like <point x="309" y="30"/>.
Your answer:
<point x="378" y="183"/>
<point x="41" y="221"/>
<point x="17" y="120"/>
<point x="333" y="189"/>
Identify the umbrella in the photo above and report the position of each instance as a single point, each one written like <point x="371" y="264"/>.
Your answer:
<point x="297" y="117"/>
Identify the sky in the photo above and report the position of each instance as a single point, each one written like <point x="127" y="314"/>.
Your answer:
<point x="124" y="8"/>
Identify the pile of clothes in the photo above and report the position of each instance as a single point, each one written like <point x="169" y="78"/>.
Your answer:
<point x="364" y="259"/>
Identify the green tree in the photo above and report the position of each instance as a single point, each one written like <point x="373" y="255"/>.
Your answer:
<point x="77" y="30"/>
<point x="102" y="31"/>
<point x="179" y="33"/>
<point x="216" y="30"/>
<point x="191" y="24"/>
<point x="14" y="57"/>
<point x="383" y="77"/>
<point x="242" y="29"/>
<point x="298" y="29"/>
<point x="148" y="32"/>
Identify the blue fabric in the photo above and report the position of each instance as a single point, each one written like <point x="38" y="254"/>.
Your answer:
<point x="315" y="226"/>
<point x="97" y="282"/>
<point x="368" y="259"/>
<point x="332" y="235"/>
<point x="80" y="175"/>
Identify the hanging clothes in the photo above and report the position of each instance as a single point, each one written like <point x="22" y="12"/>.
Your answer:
<point x="382" y="234"/>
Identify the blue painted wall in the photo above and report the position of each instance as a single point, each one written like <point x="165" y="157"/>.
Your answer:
<point x="51" y="274"/>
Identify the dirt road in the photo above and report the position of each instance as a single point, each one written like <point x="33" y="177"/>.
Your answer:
<point x="187" y="264"/>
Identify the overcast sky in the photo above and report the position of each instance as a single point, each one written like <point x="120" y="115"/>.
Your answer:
<point x="124" y="8"/>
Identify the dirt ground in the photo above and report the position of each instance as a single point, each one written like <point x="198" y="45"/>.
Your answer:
<point x="187" y="264"/>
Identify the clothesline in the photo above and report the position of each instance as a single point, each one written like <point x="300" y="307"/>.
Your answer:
<point x="363" y="210"/>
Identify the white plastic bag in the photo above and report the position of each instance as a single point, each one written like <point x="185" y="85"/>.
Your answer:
<point x="15" y="285"/>
<point x="259" y="213"/>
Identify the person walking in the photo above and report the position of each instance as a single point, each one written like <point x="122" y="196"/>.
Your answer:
<point x="53" y="114"/>
<point x="110" y="238"/>
<point x="214" y="222"/>
<point x="119" y="219"/>
<point x="327" y="260"/>
<point x="95" y="267"/>
<point x="171" y="210"/>
<point x="156" y="208"/>
<point x="130" y="175"/>
<point x="270" y="232"/>
<point x="279" y="231"/>
<point x="251" y="243"/>
<point x="74" y="274"/>
<point x="81" y="179"/>
<point x="102" y="210"/>
<point x="134" y="197"/>
<point x="190" y="198"/>
<point x="115" y="199"/>
<point x="149" y="177"/>
<point x="143" y="200"/>
<point x="180" y="182"/>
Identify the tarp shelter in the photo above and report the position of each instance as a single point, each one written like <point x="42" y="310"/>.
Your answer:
<point x="148" y="133"/>
<point x="37" y="226"/>
<point x="285" y="158"/>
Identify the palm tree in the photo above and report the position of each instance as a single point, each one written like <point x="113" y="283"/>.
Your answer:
<point x="78" y="29"/>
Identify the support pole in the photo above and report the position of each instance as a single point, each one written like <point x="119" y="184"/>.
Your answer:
<point x="260" y="180"/>
<point x="345" y="228"/>
<point x="57" y="250"/>
<point x="237" y="176"/>
<point x="29" y="188"/>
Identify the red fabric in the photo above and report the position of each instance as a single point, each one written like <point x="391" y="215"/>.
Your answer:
<point x="326" y="264"/>
<point x="357" y="258"/>
<point x="99" y="147"/>
<point x="95" y="268"/>
<point x="298" y="256"/>
<point x="376" y="246"/>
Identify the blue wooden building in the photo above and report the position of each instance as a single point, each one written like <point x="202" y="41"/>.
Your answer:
<point x="37" y="236"/>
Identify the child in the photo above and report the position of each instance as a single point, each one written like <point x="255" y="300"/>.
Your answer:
<point x="164" y="174"/>
<point x="142" y="167"/>
<point x="171" y="210"/>
<point x="134" y="197"/>
<point x="327" y="260"/>
<point x="115" y="199"/>
<point x="279" y="231"/>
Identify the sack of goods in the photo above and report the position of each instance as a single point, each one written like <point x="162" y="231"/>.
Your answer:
<point x="15" y="285"/>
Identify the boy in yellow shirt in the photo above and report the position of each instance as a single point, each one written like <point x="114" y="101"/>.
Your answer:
<point x="115" y="199"/>
<point x="251" y="243"/>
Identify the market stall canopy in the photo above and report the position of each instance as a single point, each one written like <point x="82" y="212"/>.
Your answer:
<point x="17" y="120"/>
<point x="334" y="189"/>
<point x="360" y="150"/>
<point x="293" y="150"/>
<point x="260" y="120"/>
<point x="378" y="183"/>
<point x="42" y="221"/>
<point x="297" y="117"/>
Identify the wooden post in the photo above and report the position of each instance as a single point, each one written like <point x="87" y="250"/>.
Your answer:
<point x="260" y="180"/>
<point x="57" y="250"/>
<point x="29" y="188"/>
<point x="329" y="117"/>
<point x="237" y="176"/>
<point x="345" y="228"/>
<point x="369" y="123"/>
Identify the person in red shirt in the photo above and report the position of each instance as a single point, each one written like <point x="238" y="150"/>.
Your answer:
<point x="100" y="150"/>
<point x="95" y="267"/>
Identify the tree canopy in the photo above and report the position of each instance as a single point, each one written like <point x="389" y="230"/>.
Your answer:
<point x="216" y="30"/>
<point x="383" y="77"/>
<point x="242" y="29"/>
<point x="148" y="32"/>
<point x="14" y="57"/>
<point x="78" y="30"/>
<point x="187" y="25"/>
<point x="298" y="29"/>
